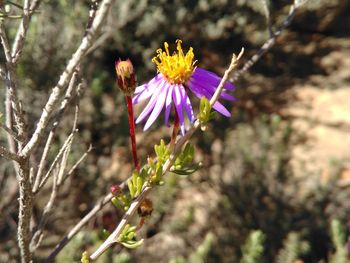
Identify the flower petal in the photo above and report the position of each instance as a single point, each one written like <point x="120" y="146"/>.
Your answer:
<point x="187" y="104"/>
<point x="168" y="104"/>
<point x="145" y="91"/>
<point x="158" y="107"/>
<point x="211" y="89"/>
<point x="146" y="111"/>
<point x="202" y="92"/>
<point x="178" y="105"/>
<point x="211" y="78"/>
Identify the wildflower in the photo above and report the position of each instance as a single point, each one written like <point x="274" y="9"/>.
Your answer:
<point x="177" y="74"/>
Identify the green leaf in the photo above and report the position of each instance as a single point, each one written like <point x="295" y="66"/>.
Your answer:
<point x="162" y="152"/>
<point x="253" y="247"/>
<point x="132" y="244"/>
<point x="139" y="185"/>
<point x="132" y="188"/>
<point x="188" y="169"/>
<point x="205" y="113"/>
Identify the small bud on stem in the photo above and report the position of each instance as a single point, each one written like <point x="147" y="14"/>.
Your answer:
<point x="126" y="79"/>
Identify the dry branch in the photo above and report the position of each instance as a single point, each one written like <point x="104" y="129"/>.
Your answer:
<point x="66" y="76"/>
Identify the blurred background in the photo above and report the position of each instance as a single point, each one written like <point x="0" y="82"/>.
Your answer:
<point x="280" y="164"/>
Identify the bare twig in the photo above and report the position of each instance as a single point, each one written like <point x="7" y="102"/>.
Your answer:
<point x="11" y="85"/>
<point x="99" y="205"/>
<point x="10" y="132"/>
<point x="18" y="44"/>
<point x="266" y="8"/>
<point x="57" y="120"/>
<point x="66" y="76"/>
<point x="21" y="33"/>
<point x="37" y="237"/>
<point x="57" y="181"/>
<point x="270" y="42"/>
<point x="9" y="155"/>
<point x="54" y="163"/>
<point x="113" y="237"/>
<point x="75" y="166"/>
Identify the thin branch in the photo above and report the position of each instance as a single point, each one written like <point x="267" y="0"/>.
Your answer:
<point x="10" y="132"/>
<point x="18" y="44"/>
<point x="11" y="85"/>
<point x="75" y="166"/>
<point x="21" y="33"/>
<point x="57" y="120"/>
<point x="5" y="42"/>
<point x="38" y="235"/>
<point x="270" y="42"/>
<point x="9" y="155"/>
<point x="266" y="8"/>
<point x="113" y="237"/>
<point x="68" y="237"/>
<point x="54" y="163"/>
<point x="66" y="76"/>
<point x="57" y="179"/>
<point x="233" y="65"/>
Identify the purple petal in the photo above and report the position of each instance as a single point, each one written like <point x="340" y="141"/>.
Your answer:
<point x="221" y="108"/>
<point x="178" y="106"/>
<point x="145" y="91"/>
<point x="141" y="88"/>
<point x="158" y="107"/>
<point x="168" y="104"/>
<point x="211" y="78"/>
<point x="202" y="92"/>
<point x="146" y="111"/>
<point x="187" y="104"/>
<point x="211" y="89"/>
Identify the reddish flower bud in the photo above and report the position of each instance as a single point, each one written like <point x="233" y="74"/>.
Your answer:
<point x="115" y="189"/>
<point x="126" y="76"/>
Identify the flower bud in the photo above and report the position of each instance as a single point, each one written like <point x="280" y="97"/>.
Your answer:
<point x="115" y="189"/>
<point x="126" y="76"/>
<point x="145" y="208"/>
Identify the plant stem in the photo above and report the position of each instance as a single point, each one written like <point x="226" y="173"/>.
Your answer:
<point x="132" y="132"/>
<point x="175" y="130"/>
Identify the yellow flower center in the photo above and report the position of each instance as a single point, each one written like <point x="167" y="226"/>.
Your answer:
<point x="176" y="68"/>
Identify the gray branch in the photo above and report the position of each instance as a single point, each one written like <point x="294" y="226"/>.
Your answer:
<point x="66" y="76"/>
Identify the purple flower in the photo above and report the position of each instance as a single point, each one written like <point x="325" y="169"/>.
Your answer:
<point x="177" y="74"/>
